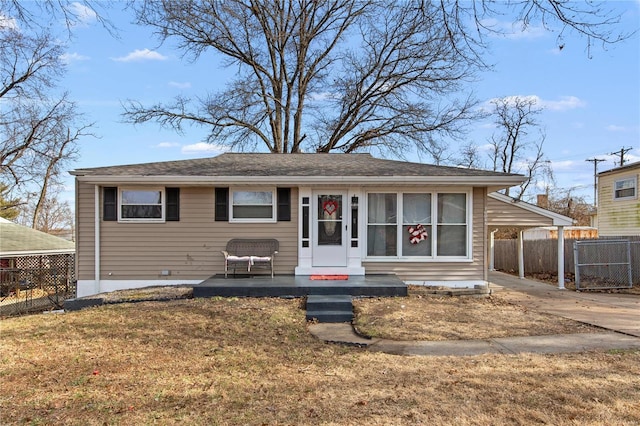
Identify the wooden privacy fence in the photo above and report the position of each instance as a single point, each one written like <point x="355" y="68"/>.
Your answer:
<point x="541" y="256"/>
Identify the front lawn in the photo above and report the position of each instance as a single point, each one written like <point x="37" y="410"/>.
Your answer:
<point x="252" y="361"/>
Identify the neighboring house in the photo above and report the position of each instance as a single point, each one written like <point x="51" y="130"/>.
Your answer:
<point x="17" y="240"/>
<point x="33" y="258"/>
<point x="166" y="223"/>
<point x="618" y="203"/>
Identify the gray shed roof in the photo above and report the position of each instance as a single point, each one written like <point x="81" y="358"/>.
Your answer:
<point x="304" y="167"/>
<point x="18" y="240"/>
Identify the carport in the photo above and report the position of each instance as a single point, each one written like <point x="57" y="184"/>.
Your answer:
<point x="507" y="212"/>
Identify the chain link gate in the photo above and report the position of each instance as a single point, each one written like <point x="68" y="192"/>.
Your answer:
<point x="602" y="264"/>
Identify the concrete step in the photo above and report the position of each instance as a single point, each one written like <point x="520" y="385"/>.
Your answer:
<point x="329" y="302"/>
<point x="330" y="316"/>
<point x="329" y="308"/>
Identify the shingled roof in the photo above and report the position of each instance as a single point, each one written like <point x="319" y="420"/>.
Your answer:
<point x="253" y="165"/>
<point x="18" y="240"/>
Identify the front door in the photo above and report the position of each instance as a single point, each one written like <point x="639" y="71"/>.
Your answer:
<point x="329" y="229"/>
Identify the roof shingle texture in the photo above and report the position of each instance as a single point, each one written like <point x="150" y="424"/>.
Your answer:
<point x="17" y="238"/>
<point x="237" y="164"/>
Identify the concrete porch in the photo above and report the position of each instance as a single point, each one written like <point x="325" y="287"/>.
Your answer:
<point x="387" y="285"/>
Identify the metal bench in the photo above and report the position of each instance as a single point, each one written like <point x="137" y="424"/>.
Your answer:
<point x="250" y="253"/>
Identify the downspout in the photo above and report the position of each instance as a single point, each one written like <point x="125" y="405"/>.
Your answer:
<point x="561" y="257"/>
<point x="96" y="249"/>
<point x="521" y="254"/>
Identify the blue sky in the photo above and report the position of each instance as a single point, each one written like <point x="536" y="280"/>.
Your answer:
<point x="591" y="102"/>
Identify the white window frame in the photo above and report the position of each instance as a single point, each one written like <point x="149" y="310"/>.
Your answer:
<point x="433" y="235"/>
<point x="163" y="204"/>
<point x="274" y="206"/>
<point x="634" y="183"/>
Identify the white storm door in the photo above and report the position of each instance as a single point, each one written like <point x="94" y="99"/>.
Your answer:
<point x="329" y="229"/>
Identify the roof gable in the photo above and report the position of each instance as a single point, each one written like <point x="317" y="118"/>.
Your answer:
<point x="546" y="217"/>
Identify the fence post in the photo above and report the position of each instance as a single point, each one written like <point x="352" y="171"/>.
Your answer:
<point x="576" y="264"/>
<point x="561" y="257"/>
<point x="521" y="254"/>
<point x="629" y="269"/>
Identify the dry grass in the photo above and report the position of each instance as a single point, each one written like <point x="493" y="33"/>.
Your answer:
<point x="423" y="317"/>
<point x="252" y="361"/>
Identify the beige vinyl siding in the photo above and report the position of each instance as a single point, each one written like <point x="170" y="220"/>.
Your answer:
<point x="505" y="214"/>
<point x="189" y="248"/>
<point x="617" y="217"/>
<point x="85" y="231"/>
<point x="445" y="271"/>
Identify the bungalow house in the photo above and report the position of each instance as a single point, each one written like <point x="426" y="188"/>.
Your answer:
<point x="166" y="223"/>
<point x="618" y="203"/>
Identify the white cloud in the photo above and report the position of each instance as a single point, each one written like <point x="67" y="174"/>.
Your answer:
<point x="167" y="145"/>
<point x="514" y="30"/>
<point x="141" y="55"/>
<point x="564" y="166"/>
<point x="320" y="96"/>
<point x="7" y="23"/>
<point x="564" y="103"/>
<point x="73" y="57"/>
<point x="203" y="148"/>
<point x="176" y="84"/>
<point x="85" y="15"/>
<point x="614" y="128"/>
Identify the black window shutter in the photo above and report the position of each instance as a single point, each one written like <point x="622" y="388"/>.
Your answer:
<point x="173" y="204"/>
<point x="222" y="204"/>
<point x="284" y="204"/>
<point x="110" y="203"/>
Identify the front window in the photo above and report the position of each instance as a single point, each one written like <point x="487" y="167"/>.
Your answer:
<point x="625" y="188"/>
<point x="433" y="225"/>
<point x="253" y="206"/>
<point x="141" y="204"/>
<point x="382" y="225"/>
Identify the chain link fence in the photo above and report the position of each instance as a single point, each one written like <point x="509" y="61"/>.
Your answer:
<point x="36" y="283"/>
<point x="604" y="264"/>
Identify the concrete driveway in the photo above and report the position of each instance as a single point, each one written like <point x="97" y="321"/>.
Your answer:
<point x="616" y="312"/>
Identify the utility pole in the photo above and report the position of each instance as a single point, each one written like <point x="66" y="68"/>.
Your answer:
<point x="621" y="154"/>
<point x="595" y="162"/>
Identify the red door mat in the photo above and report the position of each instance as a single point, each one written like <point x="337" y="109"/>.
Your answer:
<point x="329" y="277"/>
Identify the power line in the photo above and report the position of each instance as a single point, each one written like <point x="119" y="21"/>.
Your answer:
<point x="621" y="154"/>
<point x="595" y="162"/>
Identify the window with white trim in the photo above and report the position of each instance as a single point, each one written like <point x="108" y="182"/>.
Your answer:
<point x="253" y="206"/>
<point x="136" y="204"/>
<point x="433" y="225"/>
<point x="625" y="188"/>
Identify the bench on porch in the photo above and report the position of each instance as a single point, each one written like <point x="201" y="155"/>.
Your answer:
<point x="250" y="253"/>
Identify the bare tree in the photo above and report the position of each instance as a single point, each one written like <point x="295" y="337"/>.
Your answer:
<point x="9" y="208"/>
<point x="338" y="75"/>
<point x="469" y="156"/>
<point x="341" y="75"/>
<point x="70" y="12"/>
<point x="565" y="202"/>
<point x="518" y="139"/>
<point x="51" y="215"/>
<point x="38" y="128"/>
